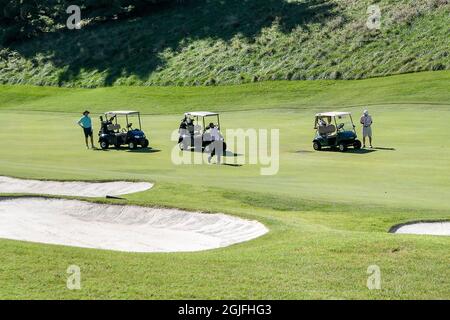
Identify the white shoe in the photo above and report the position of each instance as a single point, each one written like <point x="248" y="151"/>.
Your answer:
<point x="209" y="160"/>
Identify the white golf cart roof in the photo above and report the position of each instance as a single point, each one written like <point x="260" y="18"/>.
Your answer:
<point x="201" y="114"/>
<point x="333" y="114"/>
<point x="121" y="113"/>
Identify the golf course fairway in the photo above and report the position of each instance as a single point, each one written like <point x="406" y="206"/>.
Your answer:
<point x="328" y="213"/>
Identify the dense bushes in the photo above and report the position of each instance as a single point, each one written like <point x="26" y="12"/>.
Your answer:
<point x="21" y="19"/>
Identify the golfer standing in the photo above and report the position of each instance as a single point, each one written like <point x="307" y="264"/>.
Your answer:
<point x="366" y="121"/>
<point x="85" y="122"/>
<point x="217" y="143"/>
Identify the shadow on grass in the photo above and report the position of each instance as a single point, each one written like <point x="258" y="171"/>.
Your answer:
<point x="143" y="150"/>
<point x="135" y="47"/>
<point x="360" y="151"/>
<point x="125" y="149"/>
<point x="227" y="153"/>
<point x="232" y="164"/>
<point x="384" y="149"/>
<point x="349" y="151"/>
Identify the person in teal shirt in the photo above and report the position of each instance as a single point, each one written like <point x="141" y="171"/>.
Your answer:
<point x="85" y="122"/>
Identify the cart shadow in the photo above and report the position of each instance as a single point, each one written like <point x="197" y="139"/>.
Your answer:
<point x="350" y="151"/>
<point x="385" y="149"/>
<point x="144" y="150"/>
<point x="360" y="151"/>
<point x="123" y="149"/>
<point x="303" y="151"/>
<point x="227" y="153"/>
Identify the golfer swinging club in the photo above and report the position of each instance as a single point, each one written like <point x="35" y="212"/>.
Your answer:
<point x="366" y="121"/>
<point x="85" y="122"/>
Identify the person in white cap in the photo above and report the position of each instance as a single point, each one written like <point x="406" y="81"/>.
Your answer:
<point x="366" y="121"/>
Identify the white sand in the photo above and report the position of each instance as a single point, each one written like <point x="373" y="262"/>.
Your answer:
<point x="122" y="228"/>
<point x="80" y="189"/>
<point x="428" y="228"/>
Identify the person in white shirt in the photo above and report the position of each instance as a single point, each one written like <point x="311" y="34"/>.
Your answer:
<point x="366" y="121"/>
<point x="217" y="143"/>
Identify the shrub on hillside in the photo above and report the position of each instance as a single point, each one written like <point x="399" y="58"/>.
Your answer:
<point x="24" y="19"/>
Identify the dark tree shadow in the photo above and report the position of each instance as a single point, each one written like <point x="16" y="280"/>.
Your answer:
<point x="135" y="47"/>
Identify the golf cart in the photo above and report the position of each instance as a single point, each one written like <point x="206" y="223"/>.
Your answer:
<point x="335" y="130"/>
<point x="194" y="131"/>
<point x="111" y="133"/>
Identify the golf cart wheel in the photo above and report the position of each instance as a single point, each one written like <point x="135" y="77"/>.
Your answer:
<point x="104" y="145"/>
<point x="132" y="145"/>
<point x="183" y="146"/>
<point x="357" y="145"/>
<point x="144" y="143"/>
<point x="317" y="146"/>
<point x="342" y="147"/>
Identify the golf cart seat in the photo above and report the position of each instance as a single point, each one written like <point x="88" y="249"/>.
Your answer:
<point x="113" y="127"/>
<point x="207" y="136"/>
<point x="327" y="130"/>
<point x="197" y="129"/>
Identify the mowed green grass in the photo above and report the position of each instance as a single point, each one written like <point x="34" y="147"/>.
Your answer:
<point x="328" y="212"/>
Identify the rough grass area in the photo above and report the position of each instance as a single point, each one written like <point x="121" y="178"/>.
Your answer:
<point x="235" y="41"/>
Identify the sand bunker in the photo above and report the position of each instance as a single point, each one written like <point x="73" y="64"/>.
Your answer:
<point x="122" y="228"/>
<point x="426" y="228"/>
<point x="80" y="189"/>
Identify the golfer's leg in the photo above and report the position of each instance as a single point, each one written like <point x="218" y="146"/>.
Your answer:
<point x="211" y="154"/>
<point x="219" y="148"/>
<point x="92" y="141"/>
<point x="86" y="140"/>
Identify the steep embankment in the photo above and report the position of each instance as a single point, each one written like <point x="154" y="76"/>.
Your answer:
<point x="235" y="41"/>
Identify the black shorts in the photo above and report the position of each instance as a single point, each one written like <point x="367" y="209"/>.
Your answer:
<point x="87" y="132"/>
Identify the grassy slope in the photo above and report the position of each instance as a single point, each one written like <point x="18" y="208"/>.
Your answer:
<point x="235" y="41"/>
<point x="410" y="88"/>
<point x="321" y="241"/>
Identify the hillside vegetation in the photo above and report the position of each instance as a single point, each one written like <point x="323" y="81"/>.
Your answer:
<point x="211" y="42"/>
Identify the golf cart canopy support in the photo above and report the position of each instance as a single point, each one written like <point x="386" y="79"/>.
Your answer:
<point x="121" y="113"/>
<point x="333" y="114"/>
<point x="203" y="115"/>
<point x="332" y="117"/>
